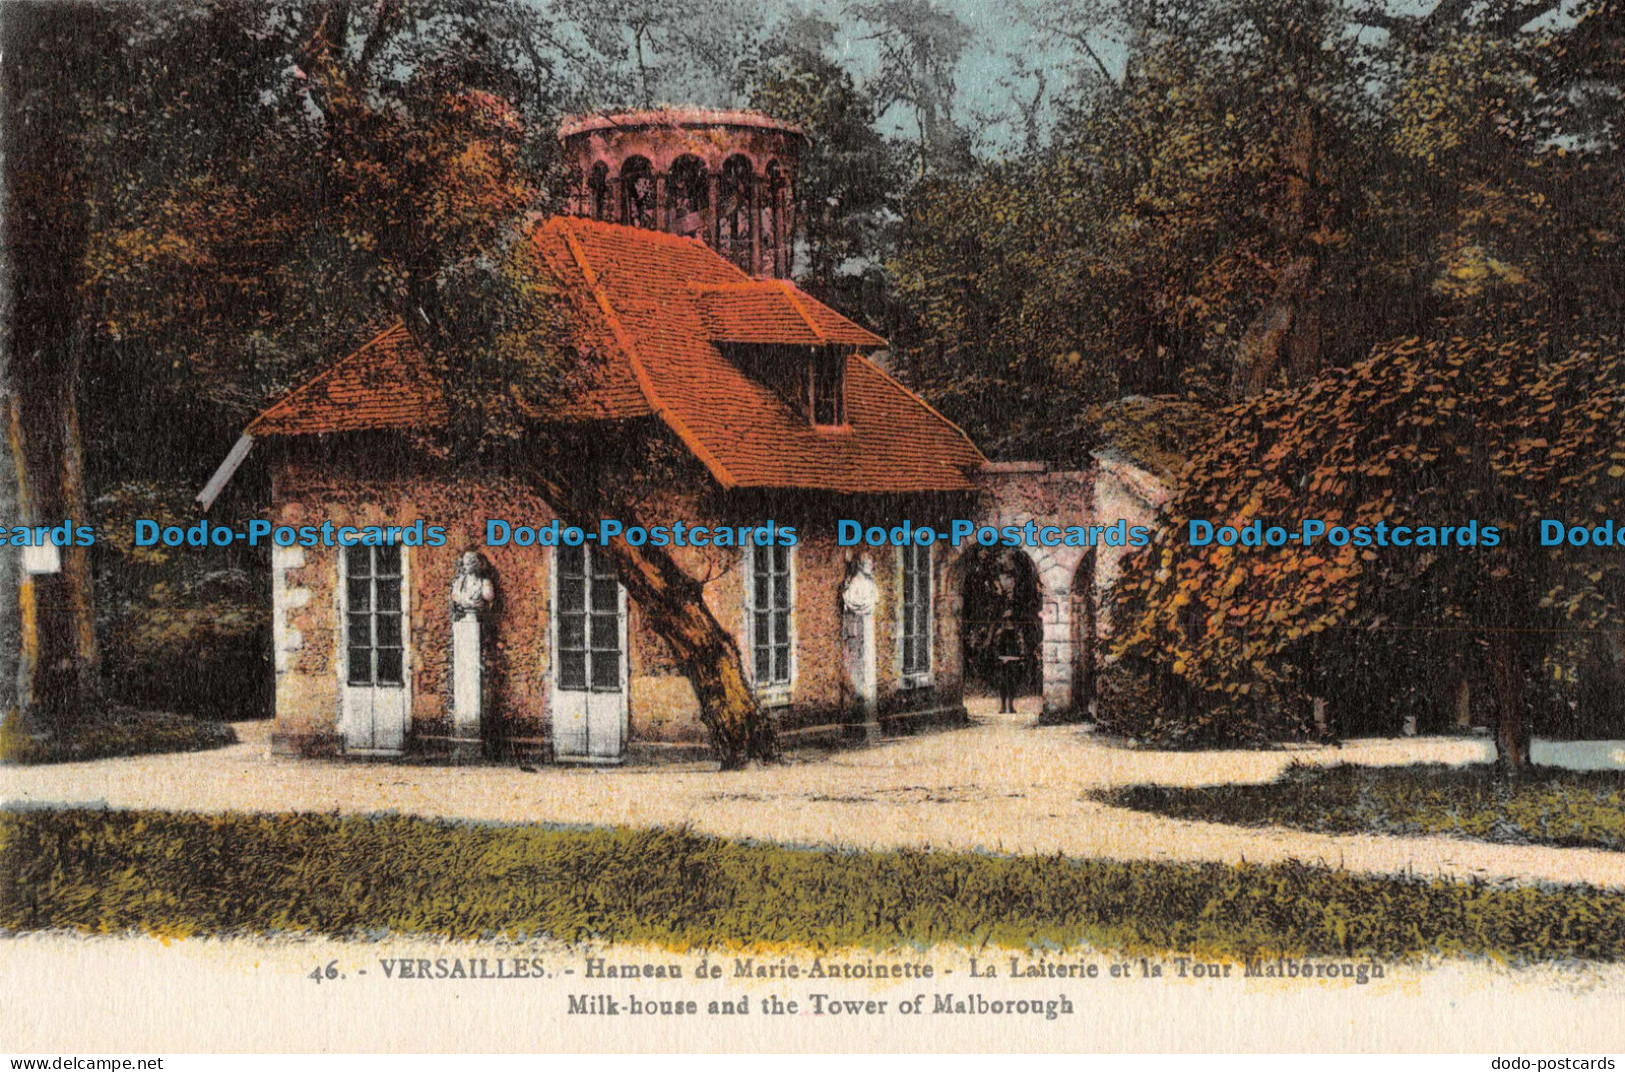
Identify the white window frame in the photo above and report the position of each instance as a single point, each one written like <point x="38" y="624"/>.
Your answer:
<point x="556" y="696"/>
<point x="343" y="557"/>
<point x="778" y="693"/>
<point x="838" y="361"/>
<point x="917" y="679"/>
<point x="555" y="615"/>
<point x="341" y="641"/>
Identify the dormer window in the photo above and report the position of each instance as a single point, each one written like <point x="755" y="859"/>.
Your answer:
<point x="826" y="385"/>
<point x="784" y="339"/>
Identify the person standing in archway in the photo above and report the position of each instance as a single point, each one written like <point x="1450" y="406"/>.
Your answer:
<point x="1009" y="647"/>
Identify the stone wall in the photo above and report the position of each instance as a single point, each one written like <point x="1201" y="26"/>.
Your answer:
<point x="1014" y="493"/>
<point x="1073" y="581"/>
<point x="1122" y="489"/>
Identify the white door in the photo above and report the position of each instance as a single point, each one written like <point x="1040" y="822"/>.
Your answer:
<point x="589" y="658"/>
<point x="373" y="591"/>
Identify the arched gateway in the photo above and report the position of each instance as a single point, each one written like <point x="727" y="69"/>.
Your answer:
<point x="1069" y="581"/>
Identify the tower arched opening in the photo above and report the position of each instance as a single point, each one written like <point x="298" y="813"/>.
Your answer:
<point x="688" y="196"/>
<point x="638" y="192"/>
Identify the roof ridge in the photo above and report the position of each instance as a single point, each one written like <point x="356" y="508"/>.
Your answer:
<point x="928" y="407"/>
<point x="736" y="284"/>
<point x="623" y="340"/>
<point x="570" y="223"/>
<point x="789" y="292"/>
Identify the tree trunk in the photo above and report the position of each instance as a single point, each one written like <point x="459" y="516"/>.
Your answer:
<point x="1266" y="339"/>
<point x="77" y="587"/>
<point x="673" y="603"/>
<point x="1506" y="674"/>
<point x="1286" y="330"/>
<point x="47" y="221"/>
<point x="48" y="680"/>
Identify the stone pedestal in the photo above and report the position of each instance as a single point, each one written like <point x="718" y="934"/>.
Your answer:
<point x="472" y="593"/>
<point x="858" y="643"/>
<point x="858" y="600"/>
<point x="467" y="678"/>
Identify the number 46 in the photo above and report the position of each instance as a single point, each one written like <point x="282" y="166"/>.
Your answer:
<point x="319" y="973"/>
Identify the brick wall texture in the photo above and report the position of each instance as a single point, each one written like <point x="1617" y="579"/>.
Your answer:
<point x="366" y="483"/>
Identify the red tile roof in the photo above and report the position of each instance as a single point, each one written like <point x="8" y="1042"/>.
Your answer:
<point x="649" y="309"/>
<point x="385" y="384"/>
<point x="773" y="311"/>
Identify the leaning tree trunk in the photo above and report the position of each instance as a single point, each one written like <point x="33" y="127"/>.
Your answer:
<point x="673" y="603"/>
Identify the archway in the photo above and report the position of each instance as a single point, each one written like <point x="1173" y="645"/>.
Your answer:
<point x="688" y="196"/>
<point x="638" y="193"/>
<point x="1000" y="584"/>
<point x="776" y="238"/>
<point x="736" y="225"/>
<point x="598" y="192"/>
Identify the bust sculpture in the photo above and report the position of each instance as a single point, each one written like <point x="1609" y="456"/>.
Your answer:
<point x="860" y="594"/>
<point x="471" y="590"/>
<point x="858" y="599"/>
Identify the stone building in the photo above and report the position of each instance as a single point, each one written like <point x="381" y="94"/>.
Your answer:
<point x="675" y="264"/>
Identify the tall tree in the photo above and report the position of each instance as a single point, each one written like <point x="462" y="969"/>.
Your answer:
<point x="58" y="62"/>
<point x="921" y="44"/>
<point x="848" y="177"/>
<point x="660" y="53"/>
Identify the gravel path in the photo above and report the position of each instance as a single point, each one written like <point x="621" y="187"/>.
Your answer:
<point x="1002" y="784"/>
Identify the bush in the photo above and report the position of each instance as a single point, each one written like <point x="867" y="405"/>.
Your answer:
<point x="199" y="648"/>
<point x="181" y="631"/>
<point x="114" y="731"/>
<point x="1138" y="700"/>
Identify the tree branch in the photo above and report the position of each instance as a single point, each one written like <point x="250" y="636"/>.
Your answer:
<point x="1522" y="15"/>
<point x="386" y="19"/>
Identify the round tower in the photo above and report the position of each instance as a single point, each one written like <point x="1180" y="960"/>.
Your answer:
<point x="726" y="178"/>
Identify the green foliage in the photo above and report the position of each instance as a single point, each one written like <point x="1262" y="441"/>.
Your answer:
<point x="1548" y="807"/>
<point x="643" y="52"/>
<point x="175" y="874"/>
<point x="921" y="43"/>
<point x="994" y="318"/>
<point x="1158" y="434"/>
<point x="1261" y="191"/>
<point x="115" y="730"/>
<point x="199" y="648"/>
<point x="181" y="630"/>
<point x="849" y="176"/>
<point x="1142" y="700"/>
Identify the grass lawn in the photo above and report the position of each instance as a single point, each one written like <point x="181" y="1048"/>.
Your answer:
<point x="116" y="731"/>
<point x="183" y="874"/>
<point x="1549" y="807"/>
